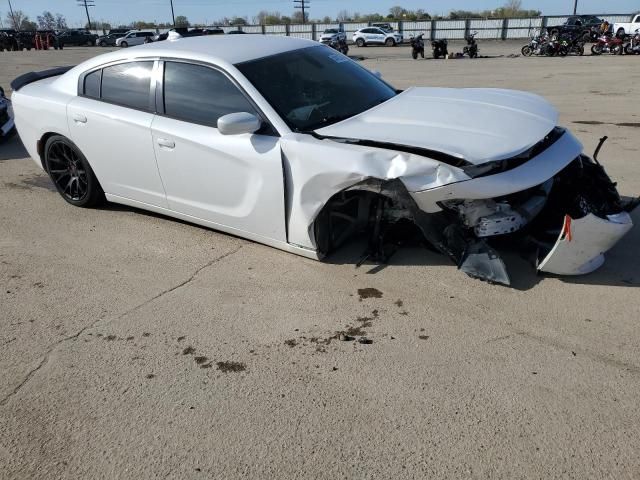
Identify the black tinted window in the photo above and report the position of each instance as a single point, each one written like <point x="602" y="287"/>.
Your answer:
<point x="92" y="84"/>
<point x="128" y="84"/>
<point x="198" y="94"/>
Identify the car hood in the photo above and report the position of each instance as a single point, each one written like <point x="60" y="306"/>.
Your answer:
<point x="477" y="124"/>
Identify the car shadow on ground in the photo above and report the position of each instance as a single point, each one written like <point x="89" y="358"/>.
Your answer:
<point x="621" y="269"/>
<point x="12" y="148"/>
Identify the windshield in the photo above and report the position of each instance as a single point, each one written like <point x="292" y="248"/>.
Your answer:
<point x="315" y="87"/>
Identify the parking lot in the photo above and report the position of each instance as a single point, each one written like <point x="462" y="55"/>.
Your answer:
<point x="137" y="346"/>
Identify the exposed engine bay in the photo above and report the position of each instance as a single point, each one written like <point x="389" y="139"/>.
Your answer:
<point x="536" y="222"/>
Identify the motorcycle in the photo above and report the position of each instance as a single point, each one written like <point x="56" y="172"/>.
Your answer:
<point x="633" y="47"/>
<point x="575" y="44"/>
<point x="440" y="48"/>
<point x="556" y="47"/>
<point x="417" y="47"/>
<point x="340" y="45"/>
<point x="608" y="44"/>
<point x="535" y="46"/>
<point x="472" y="46"/>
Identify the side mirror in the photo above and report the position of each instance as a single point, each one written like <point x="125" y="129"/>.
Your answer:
<point x="238" y="123"/>
<point x="376" y="73"/>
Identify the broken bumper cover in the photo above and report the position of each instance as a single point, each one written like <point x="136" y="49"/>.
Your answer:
<point x="582" y="243"/>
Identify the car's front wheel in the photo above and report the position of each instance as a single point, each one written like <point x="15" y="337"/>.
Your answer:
<point x="103" y="44"/>
<point x="390" y="42"/>
<point x="71" y="173"/>
<point x="124" y="44"/>
<point x="360" y="42"/>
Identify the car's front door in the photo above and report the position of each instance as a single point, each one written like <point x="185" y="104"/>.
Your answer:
<point x="235" y="181"/>
<point x="110" y="122"/>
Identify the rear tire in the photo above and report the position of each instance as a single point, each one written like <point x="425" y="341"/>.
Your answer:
<point x="620" y="33"/>
<point x="414" y="54"/>
<point x="390" y="42"/>
<point x="596" y="50"/>
<point x="71" y="173"/>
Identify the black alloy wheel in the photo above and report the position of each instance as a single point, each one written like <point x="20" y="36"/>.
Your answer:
<point x="71" y="173"/>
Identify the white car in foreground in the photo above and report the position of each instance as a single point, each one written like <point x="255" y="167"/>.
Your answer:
<point x="376" y="36"/>
<point x="291" y="144"/>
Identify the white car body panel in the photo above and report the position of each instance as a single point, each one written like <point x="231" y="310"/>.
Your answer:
<point x="582" y="244"/>
<point x="477" y="124"/>
<point x="530" y="174"/>
<point x="271" y="188"/>
<point x="233" y="180"/>
<point x="129" y="169"/>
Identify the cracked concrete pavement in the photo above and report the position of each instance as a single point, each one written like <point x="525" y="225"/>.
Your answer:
<point x="132" y="345"/>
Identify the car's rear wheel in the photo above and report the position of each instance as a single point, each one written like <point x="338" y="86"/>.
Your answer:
<point x="390" y="42"/>
<point x="124" y="44"/>
<point x="360" y="42"/>
<point x="71" y="173"/>
<point x="620" y="33"/>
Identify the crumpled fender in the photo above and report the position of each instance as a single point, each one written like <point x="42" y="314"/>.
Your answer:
<point x="317" y="169"/>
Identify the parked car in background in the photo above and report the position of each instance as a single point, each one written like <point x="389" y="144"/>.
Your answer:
<point x="109" y="40"/>
<point x="236" y="32"/>
<point x="383" y="26"/>
<point x="6" y="119"/>
<point x="588" y="25"/>
<point x="622" y="29"/>
<point x="332" y="35"/>
<point x="134" y="38"/>
<point x="78" y="37"/>
<point x="376" y="36"/>
<point x="119" y="30"/>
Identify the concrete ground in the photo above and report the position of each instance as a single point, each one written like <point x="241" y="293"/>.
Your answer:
<point x="136" y="346"/>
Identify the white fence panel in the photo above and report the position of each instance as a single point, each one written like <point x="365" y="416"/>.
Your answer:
<point x="252" y="28"/>
<point x="450" y="29"/>
<point x="487" y="28"/>
<point x="524" y="27"/>
<point x="413" y="29"/>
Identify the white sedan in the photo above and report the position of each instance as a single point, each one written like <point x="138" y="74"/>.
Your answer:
<point x="291" y="144"/>
<point x="376" y="36"/>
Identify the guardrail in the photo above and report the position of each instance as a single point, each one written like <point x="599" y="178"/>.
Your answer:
<point x="489" y="28"/>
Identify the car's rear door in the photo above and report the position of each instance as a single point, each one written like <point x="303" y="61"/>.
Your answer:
<point x="110" y="121"/>
<point x="235" y="181"/>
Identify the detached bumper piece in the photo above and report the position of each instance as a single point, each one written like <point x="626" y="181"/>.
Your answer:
<point x="582" y="244"/>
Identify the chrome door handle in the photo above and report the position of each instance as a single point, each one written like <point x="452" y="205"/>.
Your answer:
<point x="79" y="118"/>
<point x="164" y="143"/>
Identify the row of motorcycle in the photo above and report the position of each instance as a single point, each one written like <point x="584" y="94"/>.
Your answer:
<point x="550" y="46"/>
<point x="440" y="48"/>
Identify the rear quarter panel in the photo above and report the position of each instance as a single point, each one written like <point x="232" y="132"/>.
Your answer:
<point x="39" y="109"/>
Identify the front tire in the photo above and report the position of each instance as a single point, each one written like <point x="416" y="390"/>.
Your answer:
<point x="527" y="51"/>
<point x="414" y="54"/>
<point x="71" y="173"/>
<point x="124" y="44"/>
<point x="596" y="50"/>
<point x="360" y="42"/>
<point x="103" y="44"/>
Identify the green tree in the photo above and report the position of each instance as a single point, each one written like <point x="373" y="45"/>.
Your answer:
<point x="182" y="21"/>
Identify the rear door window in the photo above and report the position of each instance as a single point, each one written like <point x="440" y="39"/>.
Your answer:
<point x="128" y="84"/>
<point x="201" y="95"/>
<point x="92" y="84"/>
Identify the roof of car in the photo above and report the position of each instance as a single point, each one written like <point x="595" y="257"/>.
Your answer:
<point x="234" y="49"/>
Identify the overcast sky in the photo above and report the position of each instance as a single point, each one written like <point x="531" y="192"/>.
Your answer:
<point x="125" y="11"/>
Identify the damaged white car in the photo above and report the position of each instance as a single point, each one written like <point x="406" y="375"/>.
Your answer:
<point x="293" y="145"/>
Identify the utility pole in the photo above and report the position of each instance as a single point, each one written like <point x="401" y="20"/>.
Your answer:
<point x="304" y="5"/>
<point x="86" y="4"/>
<point x="17" y="27"/>
<point x="173" y="15"/>
<point x="575" y="8"/>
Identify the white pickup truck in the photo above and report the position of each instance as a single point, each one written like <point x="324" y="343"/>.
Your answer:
<point x="622" y="29"/>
